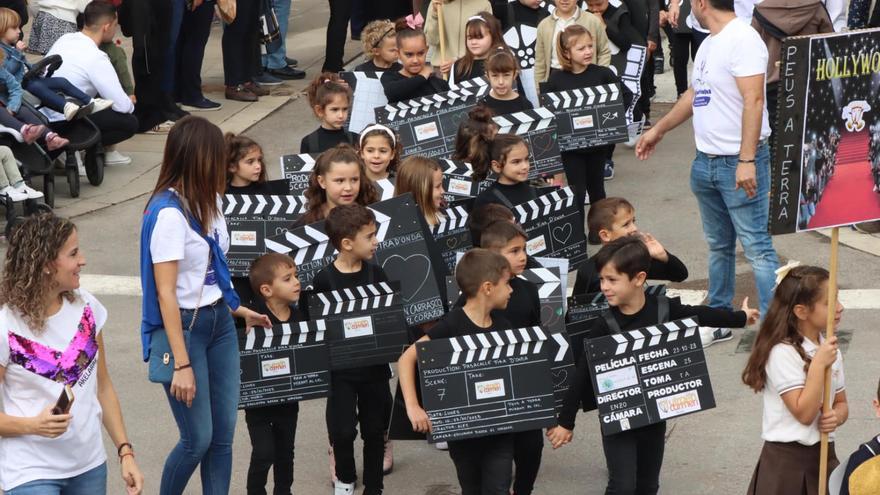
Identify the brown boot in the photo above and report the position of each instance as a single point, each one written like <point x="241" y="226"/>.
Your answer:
<point x="240" y="93"/>
<point x="256" y="88"/>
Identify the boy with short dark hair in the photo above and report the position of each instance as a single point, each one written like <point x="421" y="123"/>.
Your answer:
<point x="272" y="429"/>
<point x="483" y="464"/>
<point x="634" y="457"/>
<point x="357" y="393"/>
<point x="862" y="475"/>
<point x="480" y="218"/>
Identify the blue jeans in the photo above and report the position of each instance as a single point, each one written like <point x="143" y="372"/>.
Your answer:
<point x="278" y="59"/>
<point x="47" y="89"/>
<point x="727" y="214"/>
<point x="208" y="427"/>
<point x="178" y="7"/>
<point x="91" y="482"/>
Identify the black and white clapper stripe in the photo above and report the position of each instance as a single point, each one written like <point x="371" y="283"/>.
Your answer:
<point x="425" y="104"/>
<point x="544" y="205"/>
<point x="302" y="332"/>
<point x="525" y="121"/>
<point x="263" y="204"/>
<point x="494" y="345"/>
<point x="548" y="282"/>
<point x="303" y="162"/>
<point x="360" y="298"/>
<point x="455" y="167"/>
<point x="577" y="98"/>
<point x="663" y="333"/>
<point x="456" y="218"/>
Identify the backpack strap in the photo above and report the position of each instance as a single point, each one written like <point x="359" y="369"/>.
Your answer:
<point x="506" y="202"/>
<point x="874" y="446"/>
<point x="662" y="309"/>
<point x="613" y="326"/>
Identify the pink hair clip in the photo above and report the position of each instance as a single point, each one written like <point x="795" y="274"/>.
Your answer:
<point x="415" y="21"/>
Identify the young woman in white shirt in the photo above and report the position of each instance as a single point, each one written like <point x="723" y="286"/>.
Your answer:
<point x="787" y="366"/>
<point x="52" y="339"/>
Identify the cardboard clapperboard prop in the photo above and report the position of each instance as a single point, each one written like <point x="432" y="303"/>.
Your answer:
<point x="452" y="235"/>
<point x="288" y="362"/>
<point x="368" y="94"/>
<point x="402" y="253"/>
<point x="538" y="128"/>
<point x="251" y="219"/>
<point x="427" y="125"/>
<point x="588" y="117"/>
<point x="458" y="181"/>
<point x="645" y="376"/>
<point x="365" y="324"/>
<point x="522" y="40"/>
<point x="486" y="384"/>
<point x="631" y="76"/>
<point x="550" y="222"/>
<point x="297" y="169"/>
<point x="826" y="163"/>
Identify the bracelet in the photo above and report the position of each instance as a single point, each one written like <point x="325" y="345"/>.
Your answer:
<point x="122" y="446"/>
<point x="183" y="367"/>
<point x="747" y="161"/>
<point x="123" y="456"/>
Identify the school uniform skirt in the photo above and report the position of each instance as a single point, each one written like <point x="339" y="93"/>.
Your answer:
<point x="789" y="469"/>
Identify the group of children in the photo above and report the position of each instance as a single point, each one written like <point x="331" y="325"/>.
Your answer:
<point x="787" y="362"/>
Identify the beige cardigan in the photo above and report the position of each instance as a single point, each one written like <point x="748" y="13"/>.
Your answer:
<point x="455" y="16"/>
<point x="544" y="48"/>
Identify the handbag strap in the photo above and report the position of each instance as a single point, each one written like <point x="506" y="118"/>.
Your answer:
<point x="201" y="289"/>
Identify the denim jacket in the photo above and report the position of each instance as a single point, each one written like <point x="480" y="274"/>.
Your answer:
<point x="15" y="62"/>
<point x="11" y="97"/>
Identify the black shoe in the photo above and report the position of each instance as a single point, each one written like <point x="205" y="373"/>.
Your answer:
<point x="287" y="73"/>
<point x="291" y="62"/>
<point x="203" y="105"/>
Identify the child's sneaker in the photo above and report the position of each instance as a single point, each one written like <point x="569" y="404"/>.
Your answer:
<point x="54" y="141"/>
<point x="13" y="194"/>
<point x="710" y="335"/>
<point x="609" y="169"/>
<point x="30" y="133"/>
<point x="29" y="191"/>
<point x="341" y="488"/>
<point x="99" y="104"/>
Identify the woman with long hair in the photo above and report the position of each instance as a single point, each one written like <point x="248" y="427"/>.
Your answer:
<point x="188" y="298"/>
<point x="54" y="348"/>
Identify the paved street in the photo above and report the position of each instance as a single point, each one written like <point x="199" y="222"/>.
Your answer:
<point x="711" y="452"/>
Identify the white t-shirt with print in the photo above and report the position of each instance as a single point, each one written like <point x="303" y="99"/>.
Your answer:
<point x="37" y="368"/>
<point x="174" y="240"/>
<point x="785" y="372"/>
<point x="736" y="51"/>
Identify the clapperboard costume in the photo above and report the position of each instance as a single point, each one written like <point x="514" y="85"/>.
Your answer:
<point x="297" y="169"/>
<point x="368" y="94"/>
<point x="286" y="363"/>
<point x="427" y="125"/>
<point x="587" y="117"/>
<point x="452" y="235"/>
<point x="521" y="35"/>
<point x="538" y="128"/>
<point x="551" y="223"/>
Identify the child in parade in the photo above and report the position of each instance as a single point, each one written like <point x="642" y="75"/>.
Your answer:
<point x="456" y="14"/>
<point x="567" y="14"/>
<point x="339" y="178"/>
<point x="246" y="171"/>
<point x="416" y="78"/>
<point x="330" y="100"/>
<point x="380" y="47"/>
<point x="861" y="475"/>
<point x="634" y="457"/>
<point x="503" y="71"/>
<point x="358" y="393"/>
<point x="510" y="162"/>
<point x="423" y="178"/>
<point x="380" y="149"/>
<point x="787" y="366"/>
<point x="473" y="142"/>
<point x="272" y="428"/>
<point x="482" y="37"/>
<point x="484" y="464"/>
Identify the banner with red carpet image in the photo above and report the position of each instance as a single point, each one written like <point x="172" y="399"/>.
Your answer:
<point x="826" y="164"/>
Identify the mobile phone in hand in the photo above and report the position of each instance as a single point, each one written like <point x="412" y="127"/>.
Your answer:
<point x="65" y="401"/>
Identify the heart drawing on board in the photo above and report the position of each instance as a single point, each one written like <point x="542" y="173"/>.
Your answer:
<point x="542" y="144"/>
<point x="559" y="377"/>
<point x="412" y="271"/>
<point x="452" y="242"/>
<point x="549" y="316"/>
<point x="562" y="233"/>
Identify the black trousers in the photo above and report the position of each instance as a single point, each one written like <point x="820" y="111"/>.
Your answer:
<point x="148" y="22"/>
<point x="527" y="449"/>
<point x="273" y="433"/>
<point x="684" y="47"/>
<point x="634" y="459"/>
<point x="240" y="45"/>
<point x="356" y="400"/>
<point x="337" y="29"/>
<point x="585" y="171"/>
<point x="483" y="465"/>
<point x="194" y="33"/>
<point x="115" y="127"/>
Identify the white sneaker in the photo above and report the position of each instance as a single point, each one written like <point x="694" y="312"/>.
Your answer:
<point x="99" y="104"/>
<point x="442" y="446"/>
<point x="70" y="110"/>
<point x="341" y="488"/>
<point x="114" y="157"/>
<point x="710" y="335"/>
<point x="29" y="191"/>
<point x="13" y="194"/>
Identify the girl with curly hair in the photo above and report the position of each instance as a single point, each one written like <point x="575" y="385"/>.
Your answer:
<point x="54" y="346"/>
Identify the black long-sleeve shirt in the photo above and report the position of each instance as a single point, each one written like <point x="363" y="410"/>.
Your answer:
<point x="370" y="66"/>
<point x="505" y="107"/>
<point x="323" y="139"/>
<point x="581" y="390"/>
<point x="587" y="280"/>
<point x="399" y="87"/>
<point x="524" y="307"/>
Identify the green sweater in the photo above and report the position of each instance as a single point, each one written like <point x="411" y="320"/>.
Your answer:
<point x="120" y="63"/>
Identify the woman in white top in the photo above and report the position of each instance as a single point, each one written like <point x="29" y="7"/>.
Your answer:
<point x="787" y="365"/>
<point x="188" y="296"/>
<point x="52" y="340"/>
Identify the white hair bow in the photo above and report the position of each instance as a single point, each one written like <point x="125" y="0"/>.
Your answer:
<point x="782" y="271"/>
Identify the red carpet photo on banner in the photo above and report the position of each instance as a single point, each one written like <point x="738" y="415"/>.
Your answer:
<point x="849" y="196"/>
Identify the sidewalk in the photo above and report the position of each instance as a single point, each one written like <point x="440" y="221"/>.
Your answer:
<point x="305" y="42"/>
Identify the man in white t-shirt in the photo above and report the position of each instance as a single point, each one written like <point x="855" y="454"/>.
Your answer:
<point x="730" y="175"/>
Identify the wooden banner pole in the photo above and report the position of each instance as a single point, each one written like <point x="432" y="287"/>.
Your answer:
<point x="442" y="29"/>
<point x="829" y="332"/>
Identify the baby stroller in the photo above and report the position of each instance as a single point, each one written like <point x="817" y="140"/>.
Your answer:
<point x="33" y="161"/>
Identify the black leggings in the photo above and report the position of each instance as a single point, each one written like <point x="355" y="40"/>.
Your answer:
<point x="483" y="465"/>
<point x="241" y="44"/>
<point x="527" y="449"/>
<point x="337" y="30"/>
<point x="585" y="171"/>
<point x="356" y="400"/>
<point x="684" y="46"/>
<point x="273" y="433"/>
<point x="634" y="459"/>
